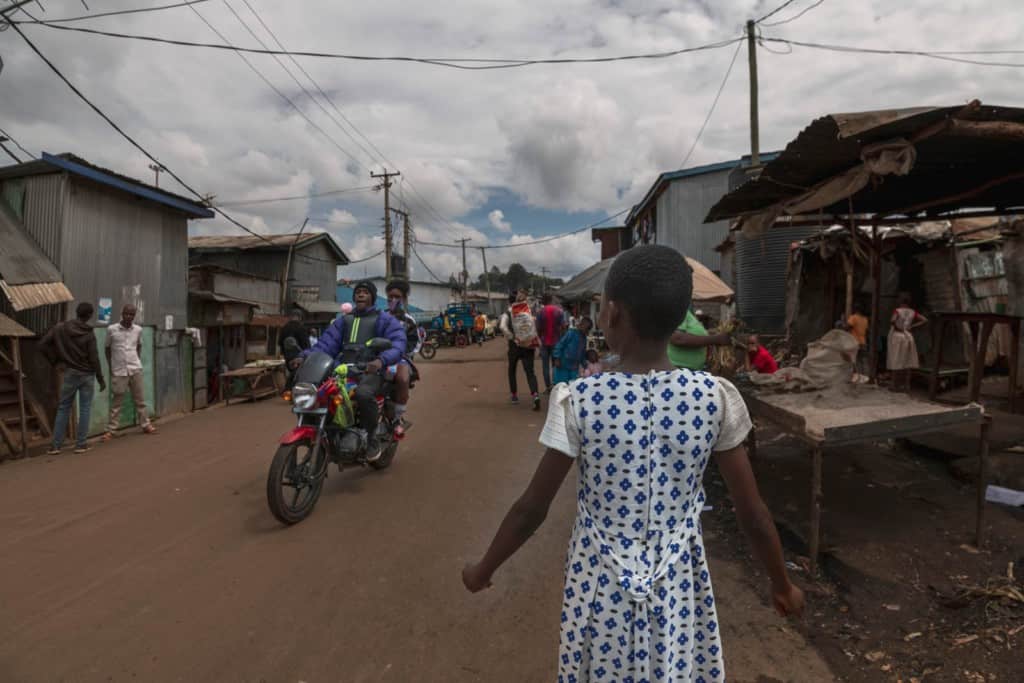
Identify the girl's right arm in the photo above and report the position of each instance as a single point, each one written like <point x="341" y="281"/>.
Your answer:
<point x="757" y="523"/>
<point x="522" y="520"/>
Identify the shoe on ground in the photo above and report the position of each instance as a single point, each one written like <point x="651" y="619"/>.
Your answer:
<point x="514" y="400"/>
<point x="108" y="436"/>
<point x="82" y="449"/>
<point x="53" y="451"/>
<point x="536" y="403"/>
<point x="149" y="429"/>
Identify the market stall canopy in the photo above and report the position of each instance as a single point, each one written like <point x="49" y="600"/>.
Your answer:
<point x="706" y="285"/>
<point x="911" y="163"/>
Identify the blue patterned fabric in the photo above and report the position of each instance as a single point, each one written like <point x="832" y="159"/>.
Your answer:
<point x="638" y="605"/>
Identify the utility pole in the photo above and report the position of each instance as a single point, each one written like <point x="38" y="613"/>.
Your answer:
<point x="157" y="169"/>
<point x="406" y="242"/>
<point x="465" y="273"/>
<point x="386" y="186"/>
<point x="288" y="264"/>
<point x="487" y="279"/>
<point x="755" y="152"/>
<point x="543" y="280"/>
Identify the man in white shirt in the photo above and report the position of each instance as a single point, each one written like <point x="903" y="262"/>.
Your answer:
<point x="124" y="348"/>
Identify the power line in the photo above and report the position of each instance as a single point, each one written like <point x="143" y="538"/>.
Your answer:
<point x="714" y="103"/>
<point x="775" y="11"/>
<point x="273" y="87"/>
<point x="367" y="258"/>
<point x="423" y="263"/>
<point x="465" y="63"/>
<point x="138" y="10"/>
<point x="315" y="85"/>
<point x="312" y="195"/>
<point x="795" y="16"/>
<point x="302" y="87"/>
<point x="128" y="137"/>
<point x="17" y="144"/>
<point x="945" y="55"/>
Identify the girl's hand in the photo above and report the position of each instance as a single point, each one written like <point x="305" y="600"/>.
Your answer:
<point x="473" y="579"/>
<point x="788" y="602"/>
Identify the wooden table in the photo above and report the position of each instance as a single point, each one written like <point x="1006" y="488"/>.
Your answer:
<point x="861" y="418"/>
<point x="981" y="326"/>
<point x="253" y="377"/>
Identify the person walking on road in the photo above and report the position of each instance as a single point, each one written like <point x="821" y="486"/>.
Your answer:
<point x="550" y="319"/>
<point x="638" y="603"/>
<point x="570" y="353"/>
<point x="124" y="358"/>
<point x="71" y="346"/>
<point x="519" y="328"/>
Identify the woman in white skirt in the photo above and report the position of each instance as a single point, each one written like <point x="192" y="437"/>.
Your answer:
<point x="901" y="351"/>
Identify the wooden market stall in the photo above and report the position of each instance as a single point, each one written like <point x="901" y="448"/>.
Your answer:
<point x="15" y="406"/>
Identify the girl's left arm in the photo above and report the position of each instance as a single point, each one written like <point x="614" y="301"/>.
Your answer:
<point x="522" y="520"/>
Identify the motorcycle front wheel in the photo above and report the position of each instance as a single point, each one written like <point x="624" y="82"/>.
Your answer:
<point x="295" y="480"/>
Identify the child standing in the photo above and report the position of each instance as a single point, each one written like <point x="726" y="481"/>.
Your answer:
<point x="901" y="349"/>
<point x="638" y="603"/>
<point x="569" y="353"/>
<point x="594" y="364"/>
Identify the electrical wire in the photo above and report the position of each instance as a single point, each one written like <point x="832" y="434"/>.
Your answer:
<point x="423" y="263"/>
<point x="714" y="103"/>
<point x="280" y="94"/>
<point x="794" y="17"/>
<point x="945" y="55"/>
<point x="312" y="195"/>
<point x="465" y="63"/>
<point x="775" y="11"/>
<point x="138" y="10"/>
<point x="366" y="258"/>
<point x="17" y="144"/>
<point x="128" y="137"/>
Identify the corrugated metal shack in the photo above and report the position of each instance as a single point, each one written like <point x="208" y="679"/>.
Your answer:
<point x="309" y="262"/>
<point x="950" y="265"/>
<point x="114" y="240"/>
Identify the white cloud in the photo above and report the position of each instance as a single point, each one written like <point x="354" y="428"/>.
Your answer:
<point x="572" y="137"/>
<point x="497" y="220"/>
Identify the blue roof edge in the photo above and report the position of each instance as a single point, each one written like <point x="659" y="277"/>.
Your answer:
<point x="669" y="176"/>
<point x="192" y="209"/>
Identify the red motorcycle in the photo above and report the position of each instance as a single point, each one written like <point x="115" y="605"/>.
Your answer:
<point x="300" y="465"/>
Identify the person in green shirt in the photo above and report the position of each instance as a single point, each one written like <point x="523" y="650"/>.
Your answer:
<point x="688" y="346"/>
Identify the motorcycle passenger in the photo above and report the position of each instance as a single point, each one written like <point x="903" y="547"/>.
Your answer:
<point x="398" y="305"/>
<point x="346" y="339"/>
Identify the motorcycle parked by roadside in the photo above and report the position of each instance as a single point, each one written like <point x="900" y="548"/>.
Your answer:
<point x="326" y="432"/>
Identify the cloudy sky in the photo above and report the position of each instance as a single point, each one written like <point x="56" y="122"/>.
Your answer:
<point x="498" y="156"/>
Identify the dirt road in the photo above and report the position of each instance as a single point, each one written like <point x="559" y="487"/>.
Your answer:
<point x="155" y="558"/>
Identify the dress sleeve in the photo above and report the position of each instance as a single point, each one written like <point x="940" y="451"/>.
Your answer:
<point x="561" y="431"/>
<point x="735" y="418"/>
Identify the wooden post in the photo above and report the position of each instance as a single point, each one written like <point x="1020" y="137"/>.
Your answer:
<point x="16" y="355"/>
<point x="875" y="327"/>
<point x="1014" y="361"/>
<point x="979" y="529"/>
<point x="848" y="267"/>
<point x="978" y="359"/>
<point x="939" y="330"/>
<point x="814" y="542"/>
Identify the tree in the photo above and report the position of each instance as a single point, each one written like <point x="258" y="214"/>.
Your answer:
<point x="517" y="277"/>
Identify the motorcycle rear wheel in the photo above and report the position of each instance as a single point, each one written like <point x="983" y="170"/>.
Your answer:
<point x="428" y="350"/>
<point x="293" y="468"/>
<point x="384" y="461"/>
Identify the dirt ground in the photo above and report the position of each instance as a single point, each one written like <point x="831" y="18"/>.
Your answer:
<point x="156" y="559"/>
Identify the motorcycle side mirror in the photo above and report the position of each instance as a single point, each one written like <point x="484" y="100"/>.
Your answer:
<point x="378" y="344"/>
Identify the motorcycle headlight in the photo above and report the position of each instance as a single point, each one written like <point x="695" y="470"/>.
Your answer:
<point x="303" y="396"/>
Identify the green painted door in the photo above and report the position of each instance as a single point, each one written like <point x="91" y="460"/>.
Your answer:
<point x="101" y="400"/>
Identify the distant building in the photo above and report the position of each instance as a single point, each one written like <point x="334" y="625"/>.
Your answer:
<point x="613" y="240"/>
<point x="308" y="262"/>
<point x="108" y="239"/>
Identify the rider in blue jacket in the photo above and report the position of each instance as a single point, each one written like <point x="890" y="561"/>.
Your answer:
<point x="352" y="331"/>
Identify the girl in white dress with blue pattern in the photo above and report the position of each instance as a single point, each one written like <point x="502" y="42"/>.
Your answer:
<point x="637" y="604"/>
